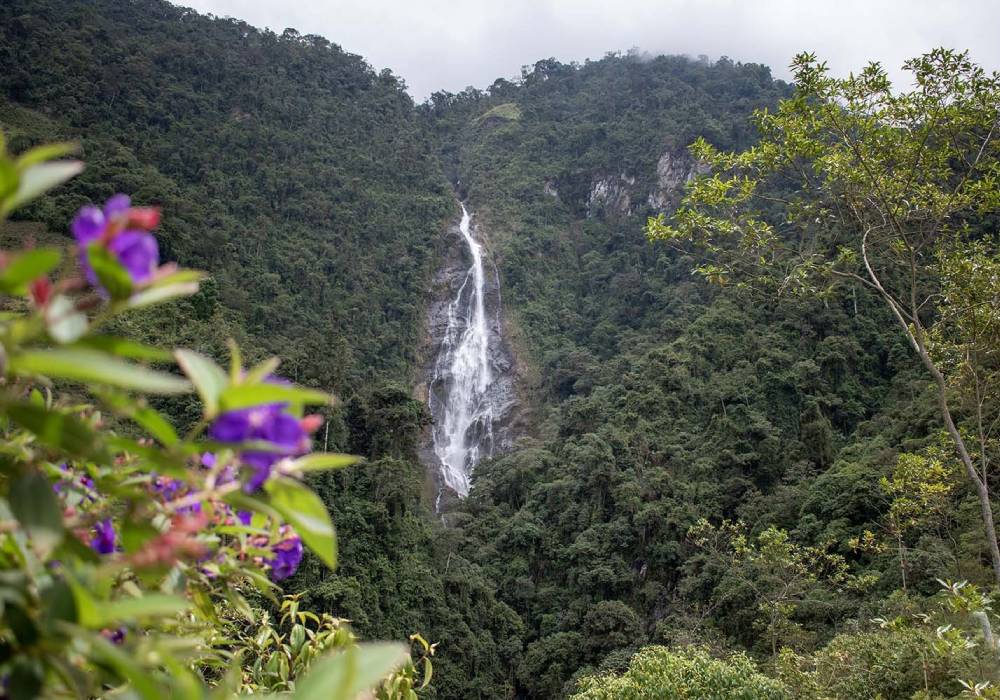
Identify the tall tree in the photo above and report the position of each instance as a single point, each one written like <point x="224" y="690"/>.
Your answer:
<point x="855" y="183"/>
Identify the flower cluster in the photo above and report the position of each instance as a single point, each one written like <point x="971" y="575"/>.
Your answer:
<point x="125" y="231"/>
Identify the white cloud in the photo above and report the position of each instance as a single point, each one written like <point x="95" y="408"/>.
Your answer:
<point x="442" y="44"/>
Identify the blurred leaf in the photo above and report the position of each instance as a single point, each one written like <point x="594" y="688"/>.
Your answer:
<point x="245" y="395"/>
<point x="61" y="431"/>
<point x="28" y="266"/>
<point x="141" y="682"/>
<point x="184" y="276"/>
<point x="148" y="418"/>
<point x="8" y="177"/>
<point x="135" y="534"/>
<point x="347" y="674"/>
<point x="25" y="680"/>
<point x="45" y="152"/>
<point x="86" y="365"/>
<point x="86" y="605"/>
<point x="125" y="348"/>
<point x="110" y="272"/>
<point x="323" y="460"/>
<point x="58" y="604"/>
<point x="36" y="507"/>
<point x="159" y="294"/>
<point x="208" y="378"/>
<point x="244" y="501"/>
<point x="110" y="613"/>
<point x="167" y="462"/>
<point x="38" y="179"/>
<point x="305" y="512"/>
<point x="262" y="371"/>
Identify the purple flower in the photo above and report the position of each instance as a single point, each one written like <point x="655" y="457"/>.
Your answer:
<point x="137" y="252"/>
<point x="287" y="557"/>
<point x="244" y="516"/>
<point x="125" y="232"/>
<point x="268" y="423"/>
<point x="117" y="204"/>
<point x="104" y="539"/>
<point x="88" y="225"/>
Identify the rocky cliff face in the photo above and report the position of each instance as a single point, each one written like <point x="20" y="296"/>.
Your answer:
<point x="673" y="171"/>
<point x="617" y="195"/>
<point x="610" y="195"/>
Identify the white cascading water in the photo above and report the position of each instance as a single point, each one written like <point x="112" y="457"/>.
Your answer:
<point x="463" y="431"/>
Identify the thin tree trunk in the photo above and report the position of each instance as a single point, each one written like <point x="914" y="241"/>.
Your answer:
<point x="982" y="488"/>
<point x="916" y="338"/>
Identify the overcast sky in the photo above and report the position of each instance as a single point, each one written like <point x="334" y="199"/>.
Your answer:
<point x="450" y="44"/>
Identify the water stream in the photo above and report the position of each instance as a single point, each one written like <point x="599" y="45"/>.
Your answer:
<point x="461" y="400"/>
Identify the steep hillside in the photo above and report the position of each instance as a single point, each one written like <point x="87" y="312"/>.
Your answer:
<point x="664" y="400"/>
<point x="288" y="167"/>
<point x="317" y="195"/>
<point x="304" y="182"/>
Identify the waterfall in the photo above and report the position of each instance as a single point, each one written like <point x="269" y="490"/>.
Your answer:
<point x="463" y="399"/>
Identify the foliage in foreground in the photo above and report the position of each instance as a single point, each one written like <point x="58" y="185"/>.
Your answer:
<point x="856" y="184"/>
<point x="659" y="673"/>
<point x="129" y="552"/>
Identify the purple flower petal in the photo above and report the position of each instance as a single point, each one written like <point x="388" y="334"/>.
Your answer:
<point x="104" y="539"/>
<point x="287" y="557"/>
<point x="285" y="432"/>
<point x="231" y="426"/>
<point x="137" y="252"/>
<point x="117" y="204"/>
<point x="88" y="225"/>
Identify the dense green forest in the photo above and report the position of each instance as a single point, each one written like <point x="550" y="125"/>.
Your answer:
<point x="764" y="476"/>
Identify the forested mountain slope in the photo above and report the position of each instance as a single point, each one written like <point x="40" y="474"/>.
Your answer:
<point x="304" y="180"/>
<point x="664" y="400"/>
<point x="317" y="193"/>
<point x="283" y="162"/>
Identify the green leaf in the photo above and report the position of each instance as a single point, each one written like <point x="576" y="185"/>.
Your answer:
<point x="160" y="294"/>
<point x="168" y="462"/>
<point x="111" y="274"/>
<point x="125" y="348"/>
<point x="323" y="460"/>
<point x="208" y="378"/>
<point x="347" y="674"/>
<point x="149" y="418"/>
<point x="85" y="365"/>
<point x="305" y="511"/>
<point x="8" y="177"/>
<point x="36" y="507"/>
<point x="135" y="535"/>
<point x="184" y="276"/>
<point x="62" y="431"/>
<point x="45" y="152"/>
<point x="149" y="606"/>
<point x="139" y="681"/>
<point x="25" y="679"/>
<point x="38" y="179"/>
<point x="28" y="266"/>
<point x="245" y="395"/>
<point x="58" y="604"/>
